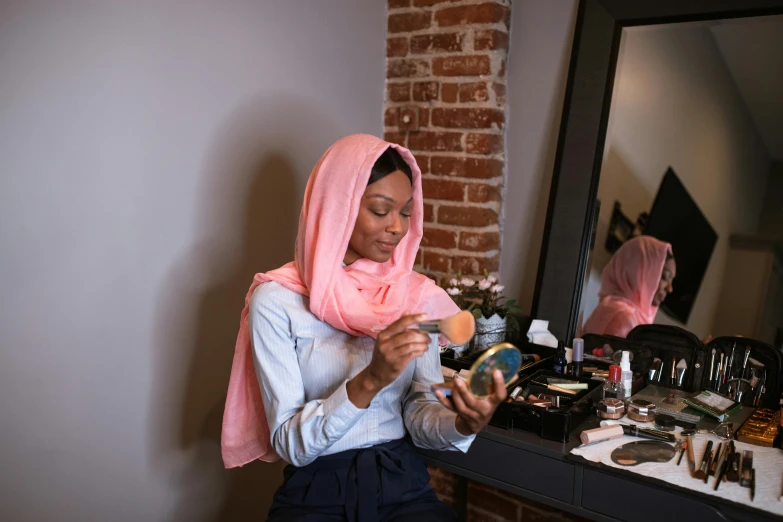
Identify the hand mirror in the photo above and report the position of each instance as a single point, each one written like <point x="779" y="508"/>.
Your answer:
<point x="642" y="451"/>
<point x="504" y="357"/>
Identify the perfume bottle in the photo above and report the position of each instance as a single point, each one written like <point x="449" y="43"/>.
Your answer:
<point x="613" y="388"/>
<point x="560" y="363"/>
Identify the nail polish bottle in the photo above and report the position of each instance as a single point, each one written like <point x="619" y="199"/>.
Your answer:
<point x="560" y="359"/>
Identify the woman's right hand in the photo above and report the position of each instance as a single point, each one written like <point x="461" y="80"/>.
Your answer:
<point x="395" y="347"/>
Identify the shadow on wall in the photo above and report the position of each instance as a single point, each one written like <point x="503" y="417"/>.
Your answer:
<point x="250" y="197"/>
<point x="542" y="170"/>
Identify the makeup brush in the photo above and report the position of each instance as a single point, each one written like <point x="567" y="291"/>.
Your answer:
<point x="458" y="328"/>
<point x="655" y="369"/>
<point x="714" y="460"/>
<point x="691" y="458"/>
<point x="720" y="470"/>
<point x="704" y="468"/>
<point x="745" y="360"/>
<point x="708" y="466"/>
<point x="760" y="389"/>
<point x="732" y="472"/>
<point x="682" y="366"/>
<point x="712" y="367"/>
<point x="729" y="365"/>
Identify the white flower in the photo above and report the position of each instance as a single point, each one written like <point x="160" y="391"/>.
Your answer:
<point x="453" y="291"/>
<point x="496" y="289"/>
<point x="453" y="281"/>
<point x="467" y="282"/>
<point x="492" y="279"/>
<point x="484" y="284"/>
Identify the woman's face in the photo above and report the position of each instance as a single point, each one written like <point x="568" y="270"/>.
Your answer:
<point x="383" y="219"/>
<point x="665" y="287"/>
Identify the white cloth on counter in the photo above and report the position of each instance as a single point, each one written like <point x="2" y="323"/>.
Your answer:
<point x="768" y="463"/>
<point x="539" y="333"/>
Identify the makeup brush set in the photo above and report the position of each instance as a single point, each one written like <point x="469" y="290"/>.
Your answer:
<point x="744" y="370"/>
<point x="723" y="463"/>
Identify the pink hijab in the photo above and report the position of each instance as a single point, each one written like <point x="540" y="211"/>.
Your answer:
<point x="628" y="286"/>
<point x="352" y="299"/>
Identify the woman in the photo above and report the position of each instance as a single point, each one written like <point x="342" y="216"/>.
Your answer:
<point x="634" y="284"/>
<point x="314" y="383"/>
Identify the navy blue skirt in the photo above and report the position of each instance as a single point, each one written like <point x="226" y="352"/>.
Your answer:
<point x="383" y="483"/>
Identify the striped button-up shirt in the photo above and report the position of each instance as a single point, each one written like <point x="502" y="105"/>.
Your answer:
<point x="303" y="365"/>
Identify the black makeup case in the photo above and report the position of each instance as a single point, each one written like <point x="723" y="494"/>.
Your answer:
<point x="671" y="344"/>
<point x="557" y="423"/>
<point x="551" y="423"/>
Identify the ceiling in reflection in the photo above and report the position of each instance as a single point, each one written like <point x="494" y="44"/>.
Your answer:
<point x="752" y="49"/>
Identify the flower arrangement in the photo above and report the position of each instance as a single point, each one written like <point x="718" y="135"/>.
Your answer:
<point x="483" y="298"/>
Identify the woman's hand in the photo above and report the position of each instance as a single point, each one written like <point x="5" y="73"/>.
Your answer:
<point x="473" y="414"/>
<point x="395" y="347"/>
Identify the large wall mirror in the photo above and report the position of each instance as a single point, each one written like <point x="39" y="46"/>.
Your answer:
<point x="672" y="134"/>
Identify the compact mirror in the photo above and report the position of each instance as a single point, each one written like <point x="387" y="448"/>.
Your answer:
<point x="504" y="357"/>
<point x="642" y="451"/>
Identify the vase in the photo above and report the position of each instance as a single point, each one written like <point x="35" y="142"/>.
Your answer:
<point x="490" y="331"/>
<point x="460" y="349"/>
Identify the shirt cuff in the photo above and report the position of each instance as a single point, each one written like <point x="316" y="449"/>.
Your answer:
<point x="340" y="412"/>
<point x="448" y="428"/>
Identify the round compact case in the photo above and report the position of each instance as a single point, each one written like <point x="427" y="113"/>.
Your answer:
<point x="640" y="410"/>
<point x="610" y="408"/>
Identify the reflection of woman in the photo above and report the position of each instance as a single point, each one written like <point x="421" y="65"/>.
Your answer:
<point x="634" y="284"/>
<point x="336" y="399"/>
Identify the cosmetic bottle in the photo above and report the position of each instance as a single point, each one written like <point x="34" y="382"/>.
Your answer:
<point x="560" y="359"/>
<point x="626" y="376"/>
<point x="613" y="388"/>
<point x="578" y="357"/>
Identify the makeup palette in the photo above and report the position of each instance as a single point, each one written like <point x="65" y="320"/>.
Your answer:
<point x="504" y="357"/>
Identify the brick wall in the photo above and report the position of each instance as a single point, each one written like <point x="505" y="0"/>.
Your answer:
<point x="445" y="101"/>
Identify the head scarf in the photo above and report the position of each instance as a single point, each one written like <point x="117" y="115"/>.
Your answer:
<point x="352" y="299"/>
<point x="628" y="286"/>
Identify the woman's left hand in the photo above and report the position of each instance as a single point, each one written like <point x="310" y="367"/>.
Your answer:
<point x="473" y="414"/>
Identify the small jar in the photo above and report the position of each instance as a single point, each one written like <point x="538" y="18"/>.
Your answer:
<point x="640" y="410"/>
<point x="610" y="408"/>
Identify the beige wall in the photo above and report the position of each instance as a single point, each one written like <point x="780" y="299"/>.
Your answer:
<point x="153" y="157"/>
<point x="675" y="104"/>
<point x="539" y="53"/>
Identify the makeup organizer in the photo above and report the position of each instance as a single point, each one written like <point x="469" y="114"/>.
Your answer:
<point x="660" y="351"/>
<point x="564" y="409"/>
<point x="751" y="376"/>
<point x="552" y="422"/>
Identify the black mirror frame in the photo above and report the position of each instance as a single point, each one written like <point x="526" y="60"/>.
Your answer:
<point x="572" y="197"/>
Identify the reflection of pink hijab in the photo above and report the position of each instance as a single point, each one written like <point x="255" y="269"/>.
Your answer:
<point x="351" y="299"/>
<point x="628" y="287"/>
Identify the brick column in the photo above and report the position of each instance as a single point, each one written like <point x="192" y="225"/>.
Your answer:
<point x="445" y="101"/>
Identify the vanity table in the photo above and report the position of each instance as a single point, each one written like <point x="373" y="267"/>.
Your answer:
<point x="524" y="464"/>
